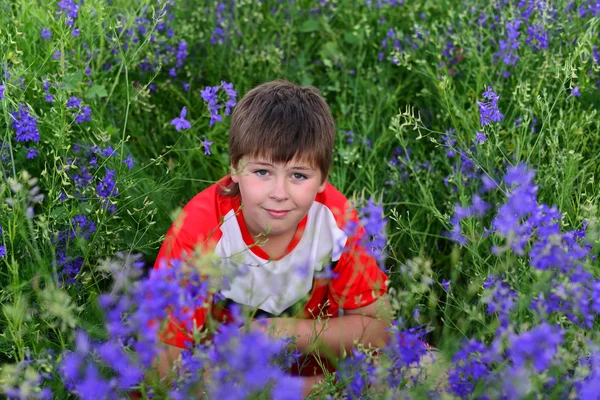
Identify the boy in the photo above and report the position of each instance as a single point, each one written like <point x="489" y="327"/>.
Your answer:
<point x="289" y="231"/>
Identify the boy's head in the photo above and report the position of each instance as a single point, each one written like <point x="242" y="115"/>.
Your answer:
<point x="280" y="146"/>
<point x="280" y="121"/>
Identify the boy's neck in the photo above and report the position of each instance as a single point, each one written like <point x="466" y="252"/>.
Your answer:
<point x="276" y="245"/>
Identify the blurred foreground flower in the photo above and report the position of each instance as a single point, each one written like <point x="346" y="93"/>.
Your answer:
<point x="180" y="122"/>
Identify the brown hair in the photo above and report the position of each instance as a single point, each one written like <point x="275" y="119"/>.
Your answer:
<point x="278" y="121"/>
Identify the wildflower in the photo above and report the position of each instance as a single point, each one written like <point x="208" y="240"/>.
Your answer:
<point x="375" y="238"/>
<point x="446" y="285"/>
<point x="181" y="122"/>
<point x="501" y="300"/>
<point x="108" y="152"/>
<point x="209" y="95"/>
<point x="129" y="161"/>
<point x="470" y="367"/>
<point x="507" y="48"/>
<point x="489" y="111"/>
<point x="181" y="54"/>
<point x="2" y="88"/>
<point x="107" y="186"/>
<point x="537" y="37"/>
<point x="70" y="9"/>
<point x="207" y="145"/>
<point x="84" y="115"/>
<point x="49" y="98"/>
<point x="46" y="33"/>
<point x="31" y="153"/>
<point x="358" y="372"/>
<point x="231" y="96"/>
<point x="538" y="345"/>
<point x="480" y="138"/>
<point x="57" y="55"/>
<point x="75" y="32"/>
<point x="73" y="102"/>
<point x="405" y="350"/>
<point x="575" y="92"/>
<point x="2" y="251"/>
<point x="25" y="126"/>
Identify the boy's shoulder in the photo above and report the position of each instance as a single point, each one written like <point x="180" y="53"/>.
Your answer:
<point x="339" y="205"/>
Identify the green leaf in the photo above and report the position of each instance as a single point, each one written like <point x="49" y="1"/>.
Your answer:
<point x="96" y="91"/>
<point x="351" y="39"/>
<point x="72" y="80"/>
<point x="310" y="26"/>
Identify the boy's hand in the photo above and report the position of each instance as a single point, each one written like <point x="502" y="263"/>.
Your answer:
<point x="279" y="327"/>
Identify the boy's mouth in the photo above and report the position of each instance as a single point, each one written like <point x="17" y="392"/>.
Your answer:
<point x="277" y="213"/>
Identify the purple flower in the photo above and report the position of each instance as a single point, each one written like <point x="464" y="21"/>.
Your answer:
<point x="375" y="238"/>
<point x="575" y="92"/>
<point x="2" y="88"/>
<point x="73" y="102"/>
<point x="46" y="33"/>
<point x="207" y="145"/>
<point x="501" y="299"/>
<point x="129" y="161"/>
<point x="209" y="95"/>
<point x="480" y="138"/>
<point x="49" y="98"/>
<point x="537" y="37"/>
<point x="539" y="345"/>
<point x="2" y="251"/>
<point x="57" y="55"/>
<point x="25" y="126"/>
<point x="31" y="153"/>
<point x="181" y="123"/>
<point x="446" y="285"/>
<point x="231" y="96"/>
<point x="75" y="32"/>
<point x="84" y="115"/>
<point x="108" y="152"/>
<point x="107" y="187"/>
<point x="470" y="368"/>
<point x="70" y="9"/>
<point x="489" y="111"/>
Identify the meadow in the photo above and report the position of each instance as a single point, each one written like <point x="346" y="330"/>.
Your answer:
<point x="468" y="139"/>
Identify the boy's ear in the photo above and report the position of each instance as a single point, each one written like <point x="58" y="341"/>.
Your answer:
<point x="234" y="175"/>
<point x="322" y="187"/>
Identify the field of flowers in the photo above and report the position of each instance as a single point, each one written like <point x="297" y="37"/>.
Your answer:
<point x="468" y="138"/>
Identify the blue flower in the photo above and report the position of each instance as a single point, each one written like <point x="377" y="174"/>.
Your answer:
<point x="538" y="345"/>
<point x="207" y="145"/>
<point x="46" y="33"/>
<point x="575" y="92"/>
<point x="446" y="285"/>
<point x="480" y="138"/>
<point x="2" y="88"/>
<point x="489" y="111"/>
<point x="129" y="161"/>
<point x="181" y="123"/>
<point x="25" y="126"/>
<point x="31" y="153"/>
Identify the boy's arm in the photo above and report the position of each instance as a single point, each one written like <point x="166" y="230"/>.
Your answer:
<point x="367" y="325"/>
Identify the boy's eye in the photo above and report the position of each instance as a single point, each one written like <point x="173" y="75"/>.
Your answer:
<point x="297" y="176"/>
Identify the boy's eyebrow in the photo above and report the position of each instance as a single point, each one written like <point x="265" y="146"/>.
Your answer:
<point x="295" y="167"/>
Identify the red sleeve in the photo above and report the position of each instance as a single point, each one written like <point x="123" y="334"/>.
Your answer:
<point x="357" y="280"/>
<point x="182" y="237"/>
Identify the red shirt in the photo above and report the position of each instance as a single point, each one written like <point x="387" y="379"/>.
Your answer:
<point x="210" y="220"/>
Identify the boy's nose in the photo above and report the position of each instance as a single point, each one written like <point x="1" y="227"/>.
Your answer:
<point x="279" y="190"/>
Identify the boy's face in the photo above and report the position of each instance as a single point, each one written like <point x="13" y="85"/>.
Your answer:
<point x="266" y="188"/>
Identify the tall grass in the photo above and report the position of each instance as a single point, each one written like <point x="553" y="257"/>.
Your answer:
<point x="403" y="82"/>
